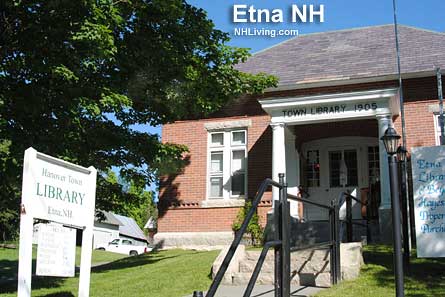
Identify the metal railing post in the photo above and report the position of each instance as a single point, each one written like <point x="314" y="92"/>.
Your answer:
<point x="277" y="249"/>
<point x="285" y="238"/>
<point x="337" y="241"/>
<point x="332" y="240"/>
<point x="238" y="236"/>
<point x="348" y="218"/>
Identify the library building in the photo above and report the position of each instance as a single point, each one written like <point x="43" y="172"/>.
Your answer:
<point x="337" y="94"/>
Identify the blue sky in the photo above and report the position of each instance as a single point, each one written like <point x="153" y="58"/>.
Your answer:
<point x="339" y="14"/>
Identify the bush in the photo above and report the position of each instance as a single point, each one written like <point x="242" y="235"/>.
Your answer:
<point x="254" y="229"/>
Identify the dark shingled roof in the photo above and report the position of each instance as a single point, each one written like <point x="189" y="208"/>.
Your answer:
<point x="349" y="54"/>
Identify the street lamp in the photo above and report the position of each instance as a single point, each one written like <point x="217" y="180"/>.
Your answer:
<point x="391" y="140"/>
<point x="401" y="156"/>
<point x="401" y="153"/>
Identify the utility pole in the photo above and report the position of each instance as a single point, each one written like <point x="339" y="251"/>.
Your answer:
<point x="440" y="96"/>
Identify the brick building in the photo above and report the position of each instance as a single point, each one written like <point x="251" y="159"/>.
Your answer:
<point x="337" y="94"/>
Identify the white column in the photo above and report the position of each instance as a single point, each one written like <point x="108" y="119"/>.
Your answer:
<point x="278" y="155"/>
<point x="384" y="123"/>
<point x="292" y="169"/>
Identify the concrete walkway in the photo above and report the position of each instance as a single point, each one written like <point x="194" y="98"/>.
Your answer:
<point x="263" y="291"/>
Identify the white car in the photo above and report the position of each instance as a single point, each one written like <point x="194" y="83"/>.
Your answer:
<point x="125" y="246"/>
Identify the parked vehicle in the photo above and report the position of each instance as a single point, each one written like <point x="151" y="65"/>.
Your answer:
<point x="125" y="246"/>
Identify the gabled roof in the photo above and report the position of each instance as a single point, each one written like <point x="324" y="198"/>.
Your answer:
<point x="349" y="54"/>
<point x="108" y="218"/>
<point x="130" y="228"/>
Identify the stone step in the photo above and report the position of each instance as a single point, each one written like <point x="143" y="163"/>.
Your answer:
<point x="296" y="256"/>
<point x="309" y="268"/>
<point x="249" y="266"/>
<point x="300" y="266"/>
<point x="303" y="261"/>
<point x="303" y="279"/>
<point x="264" y="278"/>
<point x="322" y="279"/>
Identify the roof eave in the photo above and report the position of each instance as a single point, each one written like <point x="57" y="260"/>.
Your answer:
<point x="347" y="81"/>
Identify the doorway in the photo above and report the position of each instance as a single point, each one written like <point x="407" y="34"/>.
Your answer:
<point x="335" y="165"/>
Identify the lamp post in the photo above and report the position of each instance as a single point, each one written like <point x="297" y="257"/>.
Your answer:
<point x="391" y="140"/>
<point x="401" y="156"/>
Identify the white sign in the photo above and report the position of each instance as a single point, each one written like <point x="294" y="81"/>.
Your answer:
<point x="56" y="250"/>
<point x="62" y="192"/>
<point x="328" y="108"/>
<point x="59" y="191"/>
<point x="428" y="166"/>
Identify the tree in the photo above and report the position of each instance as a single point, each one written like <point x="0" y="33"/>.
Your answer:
<point x="142" y="206"/>
<point x="76" y="76"/>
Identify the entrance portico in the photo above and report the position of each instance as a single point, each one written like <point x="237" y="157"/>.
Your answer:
<point x="334" y="155"/>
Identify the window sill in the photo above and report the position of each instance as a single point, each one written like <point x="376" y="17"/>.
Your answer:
<point x="233" y="202"/>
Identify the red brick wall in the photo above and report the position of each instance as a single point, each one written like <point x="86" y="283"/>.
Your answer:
<point x="189" y="188"/>
<point x="419" y="124"/>
<point x="198" y="219"/>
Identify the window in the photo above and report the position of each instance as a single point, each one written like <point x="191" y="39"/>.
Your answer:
<point x="343" y="169"/>
<point x="313" y="168"/>
<point x="437" y="128"/>
<point x="334" y="168"/>
<point x="227" y="164"/>
<point x="373" y="164"/>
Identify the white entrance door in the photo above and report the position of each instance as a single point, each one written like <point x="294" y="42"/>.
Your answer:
<point x="344" y="175"/>
<point x="333" y="166"/>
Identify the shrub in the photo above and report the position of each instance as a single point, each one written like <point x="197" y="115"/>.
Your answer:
<point x="254" y="229"/>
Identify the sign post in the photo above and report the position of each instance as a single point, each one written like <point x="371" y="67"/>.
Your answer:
<point x="61" y="192"/>
<point x="428" y="166"/>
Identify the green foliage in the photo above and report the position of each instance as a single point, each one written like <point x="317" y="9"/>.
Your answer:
<point x="253" y="228"/>
<point x="141" y="207"/>
<point x="76" y="76"/>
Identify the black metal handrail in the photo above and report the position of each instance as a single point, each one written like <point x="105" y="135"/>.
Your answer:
<point x="238" y="236"/>
<point x="301" y="199"/>
<point x="258" y="266"/>
<point x="320" y="245"/>
<point x="347" y="194"/>
<point x="281" y="241"/>
<point x="349" y="222"/>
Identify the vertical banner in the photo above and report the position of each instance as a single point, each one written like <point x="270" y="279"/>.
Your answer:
<point x="428" y="167"/>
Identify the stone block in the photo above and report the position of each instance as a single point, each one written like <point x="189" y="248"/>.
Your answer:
<point x="233" y="266"/>
<point x="351" y="259"/>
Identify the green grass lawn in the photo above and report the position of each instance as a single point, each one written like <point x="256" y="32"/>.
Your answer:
<point x="426" y="277"/>
<point x="9" y="264"/>
<point x="165" y="273"/>
<point x="178" y="273"/>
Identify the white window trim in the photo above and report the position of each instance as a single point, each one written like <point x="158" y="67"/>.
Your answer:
<point x="228" y="148"/>
<point x="437" y="128"/>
